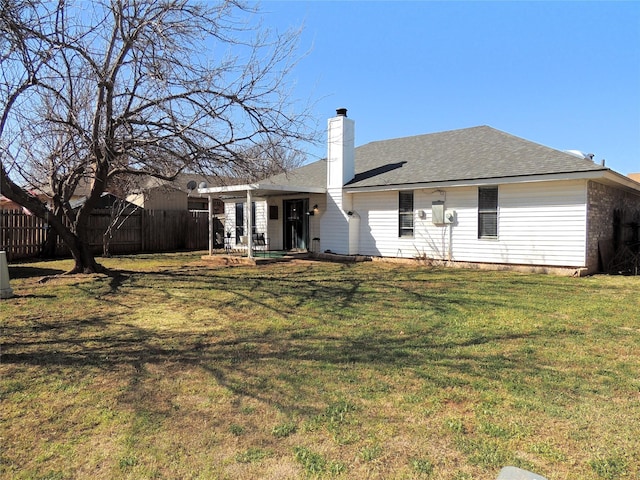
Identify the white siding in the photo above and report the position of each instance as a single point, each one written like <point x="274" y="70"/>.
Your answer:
<point x="334" y="222"/>
<point x="274" y="228"/>
<point x="314" y="221"/>
<point x="230" y="215"/>
<point x="538" y="224"/>
<point x="379" y="225"/>
<point x="379" y="229"/>
<point x="261" y="215"/>
<point x="230" y="219"/>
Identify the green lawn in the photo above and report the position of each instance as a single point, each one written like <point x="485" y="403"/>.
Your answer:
<point x="178" y="370"/>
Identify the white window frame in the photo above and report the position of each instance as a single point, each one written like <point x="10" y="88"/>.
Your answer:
<point x="488" y="206"/>
<point x="406" y="221"/>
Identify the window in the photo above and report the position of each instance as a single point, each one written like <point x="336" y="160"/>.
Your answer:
<point x="488" y="212"/>
<point x="197" y="204"/>
<point x="254" y="229"/>
<point x="239" y="221"/>
<point x="405" y="212"/>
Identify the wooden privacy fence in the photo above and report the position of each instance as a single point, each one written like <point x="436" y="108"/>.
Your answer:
<point x="23" y="236"/>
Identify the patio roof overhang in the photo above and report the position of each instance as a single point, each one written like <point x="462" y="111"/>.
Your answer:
<point x="258" y="190"/>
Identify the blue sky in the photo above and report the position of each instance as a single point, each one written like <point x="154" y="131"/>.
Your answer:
<point x="562" y="74"/>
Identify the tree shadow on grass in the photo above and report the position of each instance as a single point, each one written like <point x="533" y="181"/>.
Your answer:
<point x="281" y="369"/>
<point x="26" y="271"/>
<point x="283" y="361"/>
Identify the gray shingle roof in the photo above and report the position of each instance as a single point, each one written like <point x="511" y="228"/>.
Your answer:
<point x="468" y="154"/>
<point x="311" y="175"/>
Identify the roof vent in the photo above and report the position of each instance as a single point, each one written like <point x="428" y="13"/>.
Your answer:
<point x="341" y="112"/>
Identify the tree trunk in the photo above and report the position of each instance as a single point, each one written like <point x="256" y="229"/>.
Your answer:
<point x="85" y="260"/>
<point x="83" y="256"/>
<point x="49" y="246"/>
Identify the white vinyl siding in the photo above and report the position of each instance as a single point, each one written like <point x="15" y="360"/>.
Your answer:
<point x="260" y="219"/>
<point x="334" y="222"/>
<point x="314" y="221"/>
<point x="273" y="228"/>
<point x="541" y="223"/>
<point x="379" y="225"/>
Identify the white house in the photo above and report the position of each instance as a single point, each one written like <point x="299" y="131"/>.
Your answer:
<point x="475" y="195"/>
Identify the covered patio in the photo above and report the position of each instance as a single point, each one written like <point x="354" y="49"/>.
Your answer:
<point x="269" y="195"/>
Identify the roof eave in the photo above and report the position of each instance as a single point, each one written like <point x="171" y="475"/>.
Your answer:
<point x="260" y="189"/>
<point x="471" y="182"/>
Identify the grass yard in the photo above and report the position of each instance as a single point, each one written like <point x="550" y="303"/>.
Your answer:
<point x="178" y="370"/>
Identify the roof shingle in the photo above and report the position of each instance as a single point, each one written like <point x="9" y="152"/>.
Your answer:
<point x="468" y="154"/>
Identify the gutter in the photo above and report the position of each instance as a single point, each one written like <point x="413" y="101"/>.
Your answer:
<point x="604" y="174"/>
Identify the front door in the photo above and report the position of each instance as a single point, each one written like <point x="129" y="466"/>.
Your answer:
<point x="296" y="224"/>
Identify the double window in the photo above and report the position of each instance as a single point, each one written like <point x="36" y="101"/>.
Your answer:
<point x="488" y="212"/>
<point x="405" y="214"/>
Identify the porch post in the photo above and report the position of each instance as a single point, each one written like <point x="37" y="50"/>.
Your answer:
<point x="211" y="226"/>
<point x="249" y="226"/>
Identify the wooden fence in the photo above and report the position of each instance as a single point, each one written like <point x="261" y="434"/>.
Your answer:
<point x="23" y="236"/>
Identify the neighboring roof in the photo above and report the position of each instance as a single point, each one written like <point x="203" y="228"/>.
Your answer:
<point x="107" y="200"/>
<point x="180" y="183"/>
<point x="83" y="189"/>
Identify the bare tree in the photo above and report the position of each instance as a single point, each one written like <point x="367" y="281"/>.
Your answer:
<point x="95" y="90"/>
<point x="267" y="159"/>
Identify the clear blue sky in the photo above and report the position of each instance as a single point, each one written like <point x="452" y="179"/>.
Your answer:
<point x="562" y="74"/>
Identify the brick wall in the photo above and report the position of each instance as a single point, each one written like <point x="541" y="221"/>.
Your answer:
<point x="610" y="210"/>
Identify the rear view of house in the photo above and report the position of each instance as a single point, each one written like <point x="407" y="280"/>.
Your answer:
<point x="475" y="195"/>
